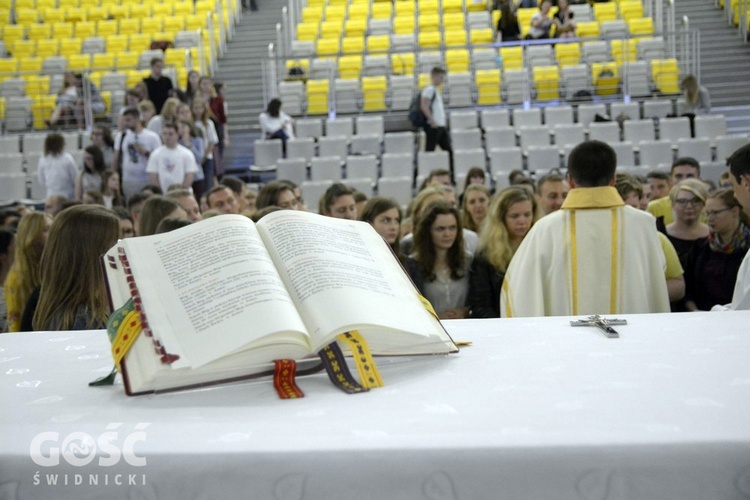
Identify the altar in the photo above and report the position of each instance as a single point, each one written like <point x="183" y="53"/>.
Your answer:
<point x="532" y="409"/>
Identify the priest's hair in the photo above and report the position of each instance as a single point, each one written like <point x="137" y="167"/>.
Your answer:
<point x="592" y="164"/>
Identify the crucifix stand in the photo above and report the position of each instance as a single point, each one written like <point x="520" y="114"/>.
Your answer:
<point x="603" y="324"/>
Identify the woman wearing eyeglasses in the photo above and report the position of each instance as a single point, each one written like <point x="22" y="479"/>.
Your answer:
<point x="714" y="263"/>
<point x="688" y="199"/>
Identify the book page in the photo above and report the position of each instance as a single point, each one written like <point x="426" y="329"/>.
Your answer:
<point x="211" y="289"/>
<point x="340" y="274"/>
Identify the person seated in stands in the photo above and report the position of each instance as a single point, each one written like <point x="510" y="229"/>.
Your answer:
<point x="57" y="170"/>
<point x="276" y="194"/>
<point x="69" y="106"/>
<point x="384" y="215"/>
<point x="72" y="293"/>
<point x="511" y="215"/>
<point x="222" y="200"/>
<point x="697" y="98"/>
<point x="275" y="124"/>
<point x="441" y="265"/>
<point x="155" y="209"/>
<point x="541" y="23"/>
<point x="338" y="202"/>
<point x="507" y="26"/>
<point x="566" y="27"/>
<point x="714" y="264"/>
<point x="476" y="201"/>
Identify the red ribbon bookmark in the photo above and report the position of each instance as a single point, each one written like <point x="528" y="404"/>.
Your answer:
<point x="283" y="379"/>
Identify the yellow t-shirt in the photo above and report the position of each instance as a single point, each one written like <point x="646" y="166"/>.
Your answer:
<point x="13" y="300"/>
<point x="674" y="268"/>
<point x="661" y="207"/>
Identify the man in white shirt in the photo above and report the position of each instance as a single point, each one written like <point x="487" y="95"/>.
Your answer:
<point x="593" y="256"/>
<point x="135" y="147"/>
<point x="739" y="175"/>
<point x="171" y="163"/>
<point x="434" y="112"/>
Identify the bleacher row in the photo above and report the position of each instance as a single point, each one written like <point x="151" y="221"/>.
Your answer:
<point x="19" y="159"/>
<point x="364" y="56"/>
<point x="99" y="38"/>
<point x="392" y="164"/>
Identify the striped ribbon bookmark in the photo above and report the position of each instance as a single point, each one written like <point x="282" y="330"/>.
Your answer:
<point x="335" y="365"/>
<point x="284" y="374"/>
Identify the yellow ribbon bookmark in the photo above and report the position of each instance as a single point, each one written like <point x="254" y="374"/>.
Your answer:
<point x="123" y="328"/>
<point x="427" y="305"/>
<point x="368" y="371"/>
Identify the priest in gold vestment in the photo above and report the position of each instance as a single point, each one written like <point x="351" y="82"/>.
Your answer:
<point x="594" y="256"/>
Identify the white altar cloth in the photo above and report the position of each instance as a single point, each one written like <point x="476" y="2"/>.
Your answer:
<point x="533" y="409"/>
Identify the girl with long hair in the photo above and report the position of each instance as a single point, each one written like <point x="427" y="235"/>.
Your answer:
<point x="25" y="273"/>
<point x="90" y="176"/>
<point x="155" y="209"/>
<point x="7" y="247"/>
<point x="512" y="213"/>
<point x="73" y="295"/>
<point x="384" y="215"/>
<point x="442" y="265"/>
<point x="476" y="201"/>
<point x="110" y="189"/>
<point x="203" y="121"/>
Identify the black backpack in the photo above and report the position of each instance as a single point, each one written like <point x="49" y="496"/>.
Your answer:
<point x="416" y="117"/>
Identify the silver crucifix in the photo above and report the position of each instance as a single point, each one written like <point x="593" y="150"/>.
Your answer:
<point x="604" y="324"/>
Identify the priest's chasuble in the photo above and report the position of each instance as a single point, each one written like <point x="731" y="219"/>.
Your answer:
<point x="594" y="256"/>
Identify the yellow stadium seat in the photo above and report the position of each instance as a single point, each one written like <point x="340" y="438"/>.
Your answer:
<point x="23" y="48"/>
<point x="405" y="8"/>
<point x="107" y="28"/>
<point x="117" y="43"/>
<point x="39" y="32"/>
<point x="127" y="60"/>
<point x="606" y="11"/>
<point x="8" y="67"/>
<point x="134" y="76"/>
<point x="96" y="14"/>
<point x="130" y="26"/>
<point x="475" y="6"/>
<point x="307" y="32"/>
<point x="197" y="22"/>
<point x="4" y="16"/>
<point x="482" y="36"/>
<point x="312" y="14"/>
<point x="70" y="46"/>
<point x="119" y="11"/>
<point x="624" y="53"/>
<point x="457" y="60"/>
<point x="75" y="14"/>
<point x="431" y="39"/>
<point x="161" y="10"/>
<point x="355" y="27"/>
<point x="141" y="11"/>
<point x="327" y="47"/>
<point x="86" y="4"/>
<point x="378" y="43"/>
<point x="488" y="86"/>
<point x="495" y="17"/>
<point x="512" y="57"/>
<point x="453" y="6"/>
<point x="607" y="83"/>
<point x="335" y="13"/>
<point x="373" y="93"/>
<point x="37" y="85"/>
<point x="182" y="9"/>
<point x="353" y="45"/>
<point x="30" y="65"/>
<point x="403" y="25"/>
<point x="350" y="66"/>
<point x="568" y="54"/>
<point x="665" y="73"/>
<point x="79" y="62"/>
<point x="454" y="21"/>
<point x="18" y="4"/>
<point x="630" y="9"/>
<point x="331" y="29"/>
<point x="175" y="57"/>
<point x="524" y="15"/>
<point x="359" y="11"/>
<point x="62" y="30"/>
<point x="456" y="38"/>
<point x="47" y="48"/>
<point x="174" y="24"/>
<point x="382" y="10"/>
<point x="589" y="29"/>
<point x="641" y="26"/>
<point x="428" y="22"/>
<point x="547" y="83"/>
<point x="317" y="97"/>
<point x="103" y="62"/>
<point x="11" y="33"/>
<point x="41" y="109"/>
<point x="424" y="80"/>
<point x="140" y="42"/>
<point x="302" y="64"/>
<point x="152" y="25"/>
<point x="85" y="29"/>
<point x="64" y="4"/>
<point x="428" y="7"/>
<point x="26" y="17"/>
<point x="402" y="63"/>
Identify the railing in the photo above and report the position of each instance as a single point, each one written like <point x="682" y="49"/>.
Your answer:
<point x="743" y="20"/>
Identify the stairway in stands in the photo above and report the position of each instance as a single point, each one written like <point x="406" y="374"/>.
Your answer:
<point x="241" y="70"/>
<point x="725" y="61"/>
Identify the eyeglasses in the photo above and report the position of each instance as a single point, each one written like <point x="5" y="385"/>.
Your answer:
<point x="683" y="202"/>
<point x="713" y="213"/>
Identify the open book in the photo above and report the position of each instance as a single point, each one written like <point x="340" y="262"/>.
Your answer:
<point x="225" y="297"/>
